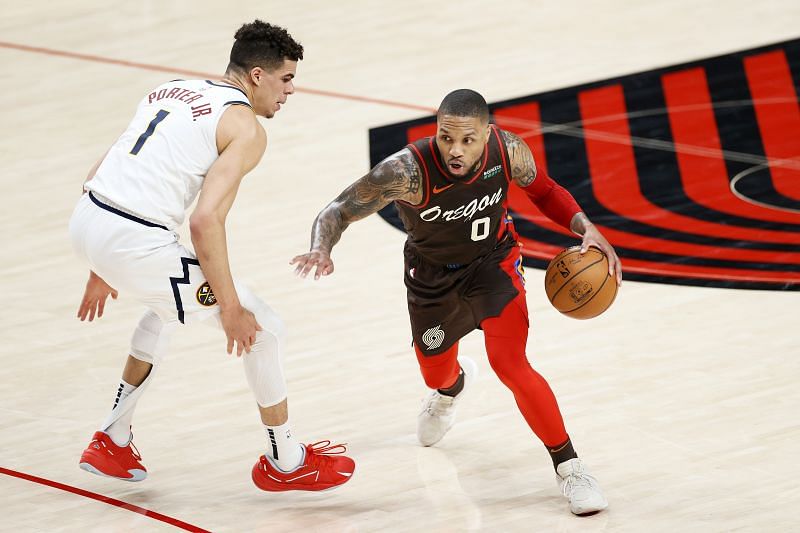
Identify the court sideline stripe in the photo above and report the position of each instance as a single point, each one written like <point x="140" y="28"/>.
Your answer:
<point x="105" y="499"/>
<point x="205" y="75"/>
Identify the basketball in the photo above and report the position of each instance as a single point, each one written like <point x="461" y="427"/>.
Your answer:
<point x="579" y="285"/>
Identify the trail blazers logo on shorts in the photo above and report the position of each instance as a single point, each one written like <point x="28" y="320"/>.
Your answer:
<point x="434" y="337"/>
<point x="691" y="171"/>
<point x="205" y="296"/>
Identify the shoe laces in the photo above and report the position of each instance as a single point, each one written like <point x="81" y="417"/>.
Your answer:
<point x="577" y="479"/>
<point x="134" y="449"/>
<point x="320" y="453"/>
<point x="438" y="404"/>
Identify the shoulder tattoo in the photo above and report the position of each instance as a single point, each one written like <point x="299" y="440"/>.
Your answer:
<point x="523" y="167"/>
<point x="395" y="178"/>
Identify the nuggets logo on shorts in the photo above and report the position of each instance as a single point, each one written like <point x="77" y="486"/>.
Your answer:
<point x="205" y="296"/>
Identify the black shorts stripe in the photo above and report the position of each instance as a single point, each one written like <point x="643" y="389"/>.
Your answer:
<point x="123" y="214"/>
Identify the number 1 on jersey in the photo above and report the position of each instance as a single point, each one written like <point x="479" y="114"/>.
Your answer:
<point x="161" y="115"/>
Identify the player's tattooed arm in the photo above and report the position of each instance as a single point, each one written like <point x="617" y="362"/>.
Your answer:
<point x="395" y="178"/>
<point x="523" y="167"/>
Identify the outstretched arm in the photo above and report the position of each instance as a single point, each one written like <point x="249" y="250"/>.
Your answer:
<point x="556" y="202"/>
<point x="396" y="178"/>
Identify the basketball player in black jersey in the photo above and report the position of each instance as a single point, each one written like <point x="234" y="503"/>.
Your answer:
<point x="463" y="267"/>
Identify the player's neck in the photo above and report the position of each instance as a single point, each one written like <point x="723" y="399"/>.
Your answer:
<point x="234" y="81"/>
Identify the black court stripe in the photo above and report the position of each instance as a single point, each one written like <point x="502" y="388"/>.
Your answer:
<point x="792" y="51"/>
<point x="738" y="127"/>
<point x="123" y="214"/>
<point x="658" y="170"/>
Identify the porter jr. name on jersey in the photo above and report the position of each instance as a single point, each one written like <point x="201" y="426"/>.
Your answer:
<point x="186" y="96"/>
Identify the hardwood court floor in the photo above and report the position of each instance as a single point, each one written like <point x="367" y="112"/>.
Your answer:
<point x="683" y="400"/>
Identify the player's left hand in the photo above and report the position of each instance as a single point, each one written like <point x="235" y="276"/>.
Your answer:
<point x="593" y="237"/>
<point x="94" y="297"/>
<point x="315" y="258"/>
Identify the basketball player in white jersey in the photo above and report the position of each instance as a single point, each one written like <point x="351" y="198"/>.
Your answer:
<point x="188" y="138"/>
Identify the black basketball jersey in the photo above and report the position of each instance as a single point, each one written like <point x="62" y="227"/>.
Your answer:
<point x="458" y="220"/>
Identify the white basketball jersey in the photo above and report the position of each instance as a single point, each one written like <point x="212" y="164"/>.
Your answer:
<point x="156" y="168"/>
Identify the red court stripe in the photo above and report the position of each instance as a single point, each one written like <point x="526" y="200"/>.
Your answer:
<point x="532" y="131"/>
<point x="546" y="252"/>
<point x="615" y="180"/>
<point x="105" y="499"/>
<point x="705" y="177"/>
<point x="415" y="133"/>
<point x="769" y="78"/>
<point x="197" y="74"/>
<point x="525" y="120"/>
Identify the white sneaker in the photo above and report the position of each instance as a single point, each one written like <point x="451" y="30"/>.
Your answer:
<point x="580" y="487"/>
<point x="439" y="411"/>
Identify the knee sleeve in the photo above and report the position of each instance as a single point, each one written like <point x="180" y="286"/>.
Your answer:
<point x="264" y="364"/>
<point x="151" y="338"/>
<point x="149" y="344"/>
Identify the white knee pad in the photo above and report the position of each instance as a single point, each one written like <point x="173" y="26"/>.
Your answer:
<point x="151" y="338"/>
<point x="263" y="365"/>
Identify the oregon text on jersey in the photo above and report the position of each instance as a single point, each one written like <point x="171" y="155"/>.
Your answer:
<point x="464" y="211"/>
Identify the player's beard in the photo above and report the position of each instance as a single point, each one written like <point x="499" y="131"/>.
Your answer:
<point x="466" y="174"/>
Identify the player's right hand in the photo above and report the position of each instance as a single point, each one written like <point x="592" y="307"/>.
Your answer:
<point x="305" y="262"/>
<point x="94" y="297"/>
<point x="240" y="327"/>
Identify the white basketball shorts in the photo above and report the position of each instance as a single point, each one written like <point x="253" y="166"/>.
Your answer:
<point x="145" y="260"/>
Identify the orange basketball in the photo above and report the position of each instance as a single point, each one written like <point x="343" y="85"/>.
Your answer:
<point x="579" y="285"/>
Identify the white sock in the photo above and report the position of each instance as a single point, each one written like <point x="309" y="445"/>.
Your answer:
<point x="285" y="451"/>
<point x="120" y="430"/>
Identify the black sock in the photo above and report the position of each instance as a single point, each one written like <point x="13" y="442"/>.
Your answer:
<point x="456" y="387"/>
<point x="562" y="452"/>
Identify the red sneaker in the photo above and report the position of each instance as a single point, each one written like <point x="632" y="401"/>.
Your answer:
<point x="104" y="458"/>
<point x="323" y="468"/>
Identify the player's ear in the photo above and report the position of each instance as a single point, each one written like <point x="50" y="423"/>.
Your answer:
<point x="256" y="73"/>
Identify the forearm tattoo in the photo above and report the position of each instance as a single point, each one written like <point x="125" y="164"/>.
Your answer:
<point x="523" y="167"/>
<point x="396" y="178"/>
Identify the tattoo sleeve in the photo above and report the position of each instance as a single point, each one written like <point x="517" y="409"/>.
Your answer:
<point x="395" y="178"/>
<point x="523" y="167"/>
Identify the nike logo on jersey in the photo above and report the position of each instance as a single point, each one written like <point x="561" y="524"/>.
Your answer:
<point x="437" y="190"/>
<point x="464" y="211"/>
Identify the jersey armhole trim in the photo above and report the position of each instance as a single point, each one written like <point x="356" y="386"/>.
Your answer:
<point x="504" y="157"/>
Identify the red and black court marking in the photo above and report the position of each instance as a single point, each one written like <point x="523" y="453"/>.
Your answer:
<point x="691" y="171"/>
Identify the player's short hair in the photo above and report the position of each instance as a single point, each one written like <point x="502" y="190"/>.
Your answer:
<point x="260" y="44"/>
<point x="464" y="103"/>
